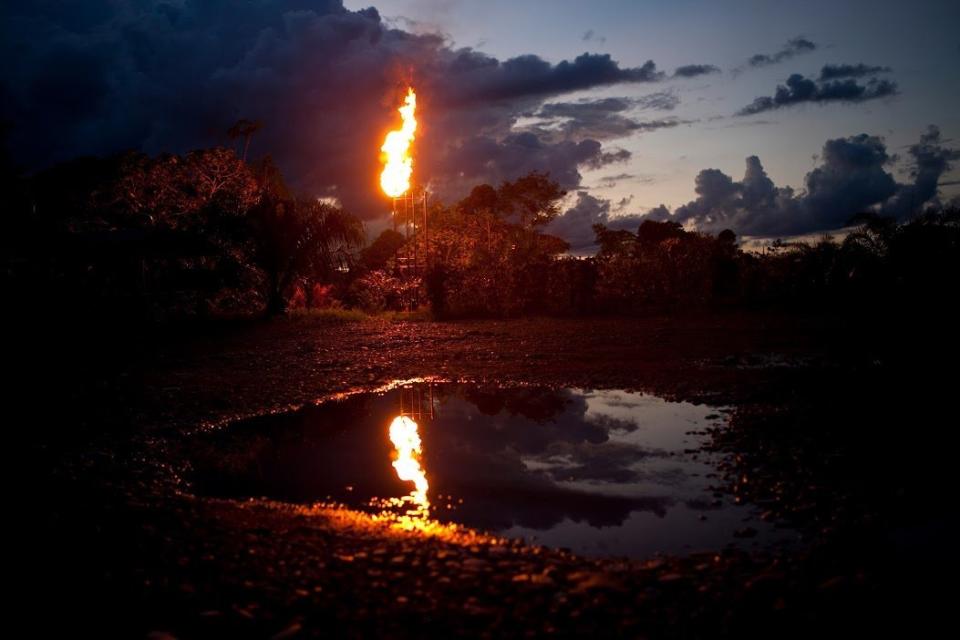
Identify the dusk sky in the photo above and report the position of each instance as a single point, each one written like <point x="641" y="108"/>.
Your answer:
<point x="834" y="99"/>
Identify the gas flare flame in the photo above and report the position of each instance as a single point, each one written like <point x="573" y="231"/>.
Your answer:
<point x="406" y="441"/>
<point x="395" y="152"/>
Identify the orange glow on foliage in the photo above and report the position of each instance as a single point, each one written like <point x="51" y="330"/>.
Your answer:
<point x="395" y="152"/>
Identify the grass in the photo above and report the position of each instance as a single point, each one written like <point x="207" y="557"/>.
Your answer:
<point x="343" y="316"/>
<point x="331" y="316"/>
<point x="423" y="314"/>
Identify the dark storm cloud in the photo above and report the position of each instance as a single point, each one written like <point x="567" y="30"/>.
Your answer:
<point x="792" y="48"/>
<point x="608" y="157"/>
<point x="694" y="70"/>
<point x="608" y="182"/>
<point x="601" y="119"/>
<point x="591" y="36"/>
<point x="659" y="101"/>
<point x="575" y="225"/>
<point x="482" y="78"/>
<point x="663" y="123"/>
<point x="852" y="178"/>
<point x="596" y="119"/>
<point x="592" y="108"/>
<point x="492" y="160"/>
<point x="622" y="204"/>
<point x="929" y="161"/>
<point x="659" y="213"/>
<point x="99" y="77"/>
<point x="834" y="71"/>
<point x="799" y="90"/>
<point x="585" y="108"/>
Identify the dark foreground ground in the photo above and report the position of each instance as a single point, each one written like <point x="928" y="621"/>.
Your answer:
<point x="840" y="428"/>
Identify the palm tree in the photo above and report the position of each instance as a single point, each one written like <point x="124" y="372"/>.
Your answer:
<point x="874" y="232"/>
<point x="336" y="235"/>
<point x="304" y="239"/>
<point x="245" y="128"/>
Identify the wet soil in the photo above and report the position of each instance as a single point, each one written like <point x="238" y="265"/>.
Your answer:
<point x="834" y="429"/>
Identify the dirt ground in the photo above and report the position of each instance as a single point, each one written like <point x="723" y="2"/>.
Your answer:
<point x="119" y="545"/>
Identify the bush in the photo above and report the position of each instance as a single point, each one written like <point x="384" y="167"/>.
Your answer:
<point x="378" y="291"/>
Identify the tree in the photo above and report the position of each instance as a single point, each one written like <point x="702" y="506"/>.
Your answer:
<point x="651" y="232"/>
<point x="244" y="128"/>
<point x="173" y="191"/>
<point x="148" y="237"/>
<point x="614" y="241"/>
<point x="533" y="198"/>
<point x="300" y="239"/>
<point x="873" y="233"/>
<point x="487" y="254"/>
<point x="382" y="250"/>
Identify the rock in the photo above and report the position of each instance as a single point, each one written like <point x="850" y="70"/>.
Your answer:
<point x="587" y="580"/>
<point x="474" y="564"/>
<point x="833" y="585"/>
<point x="288" y="632"/>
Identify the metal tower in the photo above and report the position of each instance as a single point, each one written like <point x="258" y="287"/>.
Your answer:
<point x="416" y="402"/>
<point x="410" y="218"/>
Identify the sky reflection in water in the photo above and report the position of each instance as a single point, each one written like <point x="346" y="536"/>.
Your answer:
<point x="599" y="472"/>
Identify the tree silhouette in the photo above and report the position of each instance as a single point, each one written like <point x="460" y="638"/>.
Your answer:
<point x="303" y="239"/>
<point x="133" y="237"/>
<point x="487" y="255"/>
<point x="245" y="129"/>
<point x="382" y="250"/>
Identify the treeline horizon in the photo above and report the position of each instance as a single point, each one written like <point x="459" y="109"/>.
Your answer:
<point x="206" y="235"/>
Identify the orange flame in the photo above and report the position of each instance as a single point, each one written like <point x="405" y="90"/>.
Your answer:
<point x="406" y="440"/>
<point x="395" y="152"/>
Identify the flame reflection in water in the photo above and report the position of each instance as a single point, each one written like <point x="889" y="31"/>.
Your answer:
<point x="407" y="455"/>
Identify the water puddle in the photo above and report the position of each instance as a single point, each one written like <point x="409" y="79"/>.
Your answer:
<point x="599" y="472"/>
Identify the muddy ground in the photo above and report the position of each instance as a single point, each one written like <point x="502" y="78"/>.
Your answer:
<point x="837" y="429"/>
